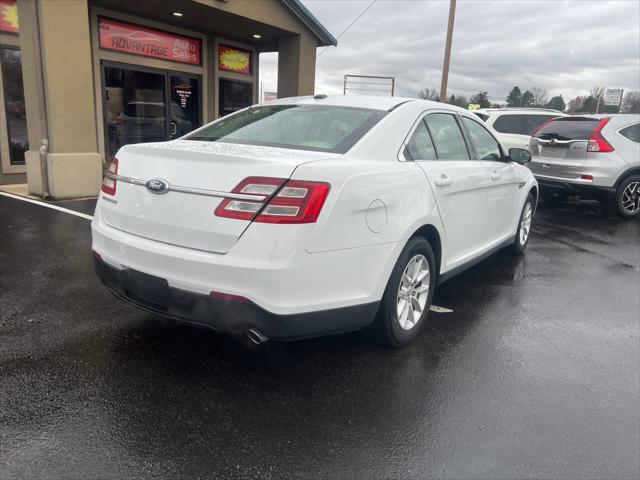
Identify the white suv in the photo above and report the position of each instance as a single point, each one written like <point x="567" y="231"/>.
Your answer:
<point x="514" y="126"/>
<point x="590" y="155"/>
<point x="310" y="216"/>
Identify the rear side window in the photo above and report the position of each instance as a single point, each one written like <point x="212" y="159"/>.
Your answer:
<point x="510" y="124"/>
<point x="568" y="128"/>
<point x="481" y="116"/>
<point x="420" y="147"/>
<point x="447" y="137"/>
<point x="321" y="128"/>
<point x="632" y="132"/>
<point x="487" y="147"/>
<point x="534" y="121"/>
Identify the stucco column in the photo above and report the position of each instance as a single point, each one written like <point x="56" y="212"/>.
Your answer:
<point x="74" y="164"/>
<point x="296" y="65"/>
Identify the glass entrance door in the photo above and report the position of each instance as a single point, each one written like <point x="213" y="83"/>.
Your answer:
<point x="144" y="105"/>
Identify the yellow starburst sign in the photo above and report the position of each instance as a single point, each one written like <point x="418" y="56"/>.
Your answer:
<point x="9" y="16"/>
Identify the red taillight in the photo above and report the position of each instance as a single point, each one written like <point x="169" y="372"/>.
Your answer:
<point x="586" y="177"/>
<point x="109" y="184"/>
<point x="247" y="209"/>
<point x="298" y="201"/>
<point x="597" y="143"/>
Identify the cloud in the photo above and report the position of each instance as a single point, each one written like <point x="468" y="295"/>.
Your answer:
<point x="564" y="46"/>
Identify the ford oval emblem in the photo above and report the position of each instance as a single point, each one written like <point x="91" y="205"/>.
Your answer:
<point x="157" y="185"/>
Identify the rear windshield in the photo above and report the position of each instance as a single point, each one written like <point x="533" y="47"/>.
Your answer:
<point x="321" y="128"/>
<point x="568" y="129"/>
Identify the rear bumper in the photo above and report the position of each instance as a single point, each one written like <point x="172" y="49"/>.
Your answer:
<point x="235" y="317"/>
<point x="578" y="188"/>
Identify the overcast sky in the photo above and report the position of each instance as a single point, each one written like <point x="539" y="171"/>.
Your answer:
<point x="566" y="47"/>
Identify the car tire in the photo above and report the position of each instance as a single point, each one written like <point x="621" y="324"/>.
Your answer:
<point x="628" y="196"/>
<point x="405" y="303"/>
<point x="524" y="227"/>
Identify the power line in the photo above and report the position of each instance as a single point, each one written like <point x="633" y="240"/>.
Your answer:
<point x="350" y="25"/>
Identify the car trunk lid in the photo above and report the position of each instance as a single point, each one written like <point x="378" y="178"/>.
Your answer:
<point x="198" y="174"/>
<point x="559" y="147"/>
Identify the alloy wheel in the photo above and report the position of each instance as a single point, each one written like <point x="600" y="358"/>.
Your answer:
<point x="413" y="292"/>
<point x="525" y="223"/>
<point x="631" y="198"/>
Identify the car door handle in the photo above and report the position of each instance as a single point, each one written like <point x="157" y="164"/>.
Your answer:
<point x="496" y="176"/>
<point x="443" y="181"/>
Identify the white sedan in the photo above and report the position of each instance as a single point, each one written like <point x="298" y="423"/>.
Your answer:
<point x="310" y="216"/>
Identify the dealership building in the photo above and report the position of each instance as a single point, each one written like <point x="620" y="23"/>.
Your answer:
<point x="81" y="78"/>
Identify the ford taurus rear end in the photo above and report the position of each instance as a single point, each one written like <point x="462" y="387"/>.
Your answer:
<point x="213" y="229"/>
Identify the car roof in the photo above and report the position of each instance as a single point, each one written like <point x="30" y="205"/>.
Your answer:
<point x="361" y="101"/>
<point x="516" y="110"/>
<point x="616" y="119"/>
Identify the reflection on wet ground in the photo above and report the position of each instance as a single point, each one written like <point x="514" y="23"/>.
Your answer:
<point x="534" y="374"/>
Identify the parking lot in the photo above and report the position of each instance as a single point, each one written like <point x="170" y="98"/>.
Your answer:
<point x="533" y="374"/>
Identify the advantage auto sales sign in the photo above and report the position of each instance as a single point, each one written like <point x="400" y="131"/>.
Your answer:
<point x="138" y="40"/>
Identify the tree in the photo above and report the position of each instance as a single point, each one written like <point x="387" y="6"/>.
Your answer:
<point x="514" y="99"/>
<point x="631" y="102"/>
<point x="557" y="103"/>
<point x="429" y="94"/>
<point x="597" y="91"/>
<point x="527" y="99"/>
<point x="539" y="96"/>
<point x="575" y="104"/>
<point x="481" y="98"/>
<point x="589" y="104"/>
<point x="459" y="101"/>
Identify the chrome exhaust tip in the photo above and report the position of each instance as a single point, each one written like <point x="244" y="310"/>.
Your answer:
<point x="256" y="337"/>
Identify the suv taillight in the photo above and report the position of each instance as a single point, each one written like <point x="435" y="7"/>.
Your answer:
<point x="286" y="201"/>
<point x="597" y="143"/>
<point x="109" y="184"/>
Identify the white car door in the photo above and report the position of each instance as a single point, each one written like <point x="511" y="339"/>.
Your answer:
<point x="459" y="184"/>
<point x="502" y="204"/>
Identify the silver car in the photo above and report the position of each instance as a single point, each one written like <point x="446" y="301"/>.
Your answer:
<point x="590" y="155"/>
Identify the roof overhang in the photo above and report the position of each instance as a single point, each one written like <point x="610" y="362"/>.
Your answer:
<point x="324" y="37"/>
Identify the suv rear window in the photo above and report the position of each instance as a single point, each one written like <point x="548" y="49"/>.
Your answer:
<point x="568" y="128"/>
<point x="321" y="128"/>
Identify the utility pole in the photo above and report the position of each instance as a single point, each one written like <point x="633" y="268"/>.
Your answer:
<point x="447" y="52"/>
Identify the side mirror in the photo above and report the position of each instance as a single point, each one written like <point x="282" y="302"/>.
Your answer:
<point x="519" y="155"/>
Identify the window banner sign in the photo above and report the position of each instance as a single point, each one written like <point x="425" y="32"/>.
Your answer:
<point x="138" y="40"/>
<point x="9" y="16"/>
<point x="234" y="59"/>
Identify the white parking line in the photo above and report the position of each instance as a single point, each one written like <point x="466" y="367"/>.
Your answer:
<point x="48" y="205"/>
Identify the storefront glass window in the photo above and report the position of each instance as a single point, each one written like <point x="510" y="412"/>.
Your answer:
<point x="11" y="66"/>
<point x="233" y="96"/>
<point x="138" y="108"/>
<point x="135" y="104"/>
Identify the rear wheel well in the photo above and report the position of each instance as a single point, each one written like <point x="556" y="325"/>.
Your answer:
<point x="534" y="192"/>
<point x="430" y="233"/>
<point x="627" y="173"/>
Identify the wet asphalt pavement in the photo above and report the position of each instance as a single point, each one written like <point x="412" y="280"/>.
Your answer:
<point x="534" y="374"/>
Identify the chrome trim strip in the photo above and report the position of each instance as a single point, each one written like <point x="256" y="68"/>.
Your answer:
<point x="558" y="142"/>
<point x="192" y="191"/>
